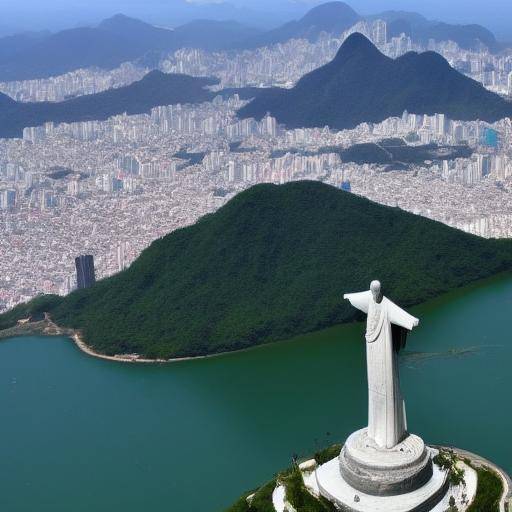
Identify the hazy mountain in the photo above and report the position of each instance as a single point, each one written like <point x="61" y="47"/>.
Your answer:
<point x="115" y="40"/>
<point x="212" y="35"/>
<point x="272" y="263"/>
<point x="121" y="38"/>
<point x="336" y="17"/>
<point x="362" y="85"/>
<point x="11" y="45"/>
<point x="331" y="17"/>
<point x="106" y="46"/>
<point x="155" y="89"/>
<point x="421" y="29"/>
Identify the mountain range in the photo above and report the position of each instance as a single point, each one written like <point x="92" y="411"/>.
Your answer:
<point x="363" y="85"/>
<point x="336" y="17"/>
<point x="270" y="264"/>
<point x="421" y="29"/>
<point x="115" y="40"/>
<point x="121" y="38"/>
<point x="331" y="17"/>
<point x="359" y="85"/>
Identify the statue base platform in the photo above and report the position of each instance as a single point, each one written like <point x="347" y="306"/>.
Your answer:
<point x="370" y="469"/>
<point x="333" y="487"/>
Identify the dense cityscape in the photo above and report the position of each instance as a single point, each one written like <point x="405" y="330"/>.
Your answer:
<point x="109" y="188"/>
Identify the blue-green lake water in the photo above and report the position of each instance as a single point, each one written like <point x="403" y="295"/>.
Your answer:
<point x="80" y="434"/>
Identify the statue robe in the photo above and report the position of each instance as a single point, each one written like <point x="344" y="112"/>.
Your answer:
<point x="387" y="424"/>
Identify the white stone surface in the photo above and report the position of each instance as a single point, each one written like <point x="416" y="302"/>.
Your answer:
<point x="311" y="483"/>
<point x="366" y="452"/>
<point x="458" y="492"/>
<point x="332" y="485"/>
<point x="278" y="498"/>
<point x="308" y="465"/>
<point x="387" y="424"/>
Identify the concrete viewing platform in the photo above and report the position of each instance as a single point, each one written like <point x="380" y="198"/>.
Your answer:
<point x="325" y="480"/>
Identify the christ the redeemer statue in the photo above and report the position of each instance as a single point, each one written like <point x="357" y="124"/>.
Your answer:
<point x="386" y="329"/>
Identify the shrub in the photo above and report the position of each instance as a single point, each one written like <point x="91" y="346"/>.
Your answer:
<point x="327" y="454"/>
<point x="489" y="491"/>
<point x="300" y="498"/>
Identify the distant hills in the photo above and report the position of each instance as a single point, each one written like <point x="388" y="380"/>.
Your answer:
<point x="12" y="45"/>
<point x="272" y="263"/>
<point x="336" y="17"/>
<point x="421" y="29"/>
<point x="115" y="40"/>
<point x="331" y="17"/>
<point x="155" y="89"/>
<point x="121" y="38"/>
<point x="362" y="85"/>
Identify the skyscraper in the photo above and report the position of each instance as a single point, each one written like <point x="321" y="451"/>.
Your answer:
<point x="380" y="32"/>
<point x="121" y="258"/>
<point x="85" y="276"/>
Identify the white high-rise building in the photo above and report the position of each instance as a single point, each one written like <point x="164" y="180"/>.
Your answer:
<point x="121" y="256"/>
<point x="380" y="30"/>
<point x="441" y="124"/>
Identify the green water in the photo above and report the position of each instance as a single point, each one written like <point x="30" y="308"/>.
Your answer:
<point x="80" y="434"/>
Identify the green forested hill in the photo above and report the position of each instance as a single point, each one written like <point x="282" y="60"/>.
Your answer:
<point x="273" y="262"/>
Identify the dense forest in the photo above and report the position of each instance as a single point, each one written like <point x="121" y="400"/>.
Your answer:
<point x="272" y="263"/>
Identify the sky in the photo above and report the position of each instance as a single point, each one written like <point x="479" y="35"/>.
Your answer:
<point x="18" y="15"/>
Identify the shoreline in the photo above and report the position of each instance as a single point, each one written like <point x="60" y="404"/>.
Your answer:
<point x="48" y="328"/>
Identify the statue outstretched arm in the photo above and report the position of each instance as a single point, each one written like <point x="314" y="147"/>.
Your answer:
<point x="359" y="300"/>
<point x="398" y="316"/>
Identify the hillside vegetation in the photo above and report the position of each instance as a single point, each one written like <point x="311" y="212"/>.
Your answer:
<point x="272" y="263"/>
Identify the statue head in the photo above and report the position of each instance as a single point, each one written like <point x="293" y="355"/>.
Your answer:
<point x="376" y="290"/>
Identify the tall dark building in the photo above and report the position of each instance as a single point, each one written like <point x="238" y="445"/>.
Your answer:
<point x="85" y="276"/>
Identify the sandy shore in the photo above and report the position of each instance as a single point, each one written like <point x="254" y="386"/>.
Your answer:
<point x="80" y="343"/>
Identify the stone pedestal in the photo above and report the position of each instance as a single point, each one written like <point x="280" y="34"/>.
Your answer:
<point x="368" y="478"/>
<point x="333" y="487"/>
<point x="385" y="472"/>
